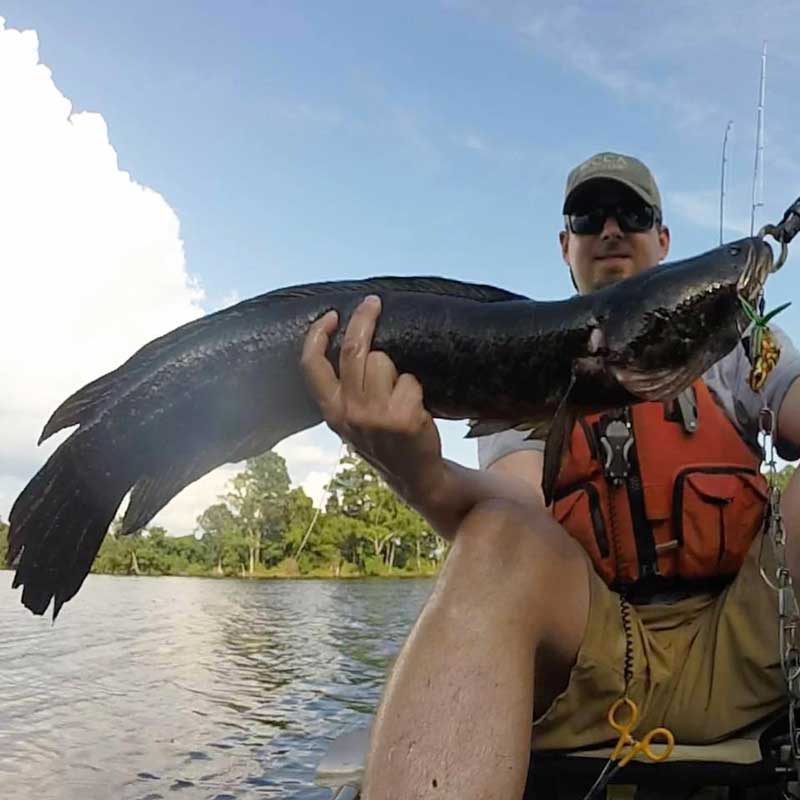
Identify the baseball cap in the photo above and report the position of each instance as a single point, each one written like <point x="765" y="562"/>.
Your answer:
<point x="615" y="167"/>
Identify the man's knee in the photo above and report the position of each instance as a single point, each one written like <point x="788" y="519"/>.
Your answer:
<point x="527" y="551"/>
<point x="502" y="529"/>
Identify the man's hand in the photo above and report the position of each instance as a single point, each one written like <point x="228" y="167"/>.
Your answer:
<point x="379" y="412"/>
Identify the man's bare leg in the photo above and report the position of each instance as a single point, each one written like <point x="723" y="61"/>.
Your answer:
<point x="455" y="720"/>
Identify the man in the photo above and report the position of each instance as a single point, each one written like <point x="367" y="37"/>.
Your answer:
<point x="521" y="633"/>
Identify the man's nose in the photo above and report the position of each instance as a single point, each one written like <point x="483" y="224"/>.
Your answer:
<point x="611" y="229"/>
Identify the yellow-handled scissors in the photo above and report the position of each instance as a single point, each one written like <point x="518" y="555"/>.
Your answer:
<point x="625" y="726"/>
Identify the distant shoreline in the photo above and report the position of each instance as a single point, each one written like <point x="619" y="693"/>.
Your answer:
<point x="402" y="574"/>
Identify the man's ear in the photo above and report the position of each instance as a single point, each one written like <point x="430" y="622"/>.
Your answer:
<point x="663" y="242"/>
<point x="563" y="238"/>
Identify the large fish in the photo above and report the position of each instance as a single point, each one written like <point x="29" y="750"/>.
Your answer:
<point x="228" y="386"/>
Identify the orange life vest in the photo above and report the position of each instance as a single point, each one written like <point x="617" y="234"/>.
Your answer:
<point x="689" y="507"/>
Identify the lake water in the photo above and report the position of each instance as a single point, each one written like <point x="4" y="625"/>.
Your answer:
<point x="187" y="688"/>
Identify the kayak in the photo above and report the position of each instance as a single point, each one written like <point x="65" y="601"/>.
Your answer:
<point x="759" y="756"/>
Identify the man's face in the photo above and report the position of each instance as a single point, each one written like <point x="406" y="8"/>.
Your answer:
<point x="598" y="260"/>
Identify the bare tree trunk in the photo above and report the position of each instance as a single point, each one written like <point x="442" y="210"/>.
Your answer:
<point x="419" y="565"/>
<point x="134" y="564"/>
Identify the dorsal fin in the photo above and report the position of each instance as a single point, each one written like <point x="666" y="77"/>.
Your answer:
<point x="430" y="284"/>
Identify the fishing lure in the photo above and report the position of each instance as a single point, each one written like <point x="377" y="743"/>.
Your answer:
<point x="764" y="351"/>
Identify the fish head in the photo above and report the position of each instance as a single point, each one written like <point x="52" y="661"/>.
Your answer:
<point x="667" y="326"/>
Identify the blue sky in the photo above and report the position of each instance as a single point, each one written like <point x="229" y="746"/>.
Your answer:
<point x="303" y="141"/>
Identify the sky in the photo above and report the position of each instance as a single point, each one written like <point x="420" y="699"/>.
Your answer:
<point x="161" y="161"/>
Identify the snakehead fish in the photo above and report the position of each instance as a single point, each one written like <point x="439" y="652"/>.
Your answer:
<point x="229" y="386"/>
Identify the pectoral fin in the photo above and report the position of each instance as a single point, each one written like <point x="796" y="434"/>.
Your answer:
<point x="556" y="443"/>
<point x="486" y="427"/>
<point x="658" y="385"/>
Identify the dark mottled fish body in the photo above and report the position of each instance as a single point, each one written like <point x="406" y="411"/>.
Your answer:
<point x="229" y="386"/>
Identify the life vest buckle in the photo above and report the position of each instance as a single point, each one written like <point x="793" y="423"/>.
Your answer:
<point x="616" y="438"/>
<point x="687" y="406"/>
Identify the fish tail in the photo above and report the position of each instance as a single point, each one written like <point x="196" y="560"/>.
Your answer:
<point x="79" y="407"/>
<point x="56" y="527"/>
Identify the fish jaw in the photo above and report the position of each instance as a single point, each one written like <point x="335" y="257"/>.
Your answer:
<point x="681" y="319"/>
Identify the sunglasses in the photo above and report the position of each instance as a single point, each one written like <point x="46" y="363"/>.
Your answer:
<point x="636" y="218"/>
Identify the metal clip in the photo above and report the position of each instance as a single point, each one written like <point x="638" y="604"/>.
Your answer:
<point x="789" y="226"/>
<point x="687" y="405"/>
<point x="780" y="236"/>
<point x="788" y="610"/>
<point x="766" y="421"/>
<point x="617" y="440"/>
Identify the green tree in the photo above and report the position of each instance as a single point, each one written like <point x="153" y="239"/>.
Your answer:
<point x="227" y="545"/>
<point x="260" y="502"/>
<point x="390" y="531"/>
<point x="299" y="518"/>
<point x="315" y="539"/>
<point x="117" y="555"/>
<point x="3" y="542"/>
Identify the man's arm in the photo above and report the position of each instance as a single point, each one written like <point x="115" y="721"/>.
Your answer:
<point x="516" y="477"/>
<point x="789" y="429"/>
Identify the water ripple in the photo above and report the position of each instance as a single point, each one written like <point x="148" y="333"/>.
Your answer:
<point x="150" y="688"/>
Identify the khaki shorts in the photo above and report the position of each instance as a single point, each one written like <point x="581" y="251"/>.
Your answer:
<point x="703" y="667"/>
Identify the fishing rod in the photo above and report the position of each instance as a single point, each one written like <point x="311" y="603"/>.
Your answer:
<point x="722" y="180"/>
<point x="758" y="167"/>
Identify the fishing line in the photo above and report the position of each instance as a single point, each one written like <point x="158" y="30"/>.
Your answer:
<point x="325" y="490"/>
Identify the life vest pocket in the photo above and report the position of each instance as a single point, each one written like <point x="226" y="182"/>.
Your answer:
<point x="577" y="508"/>
<point x="716" y="513"/>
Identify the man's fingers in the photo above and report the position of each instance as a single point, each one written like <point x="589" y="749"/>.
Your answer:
<point x="380" y="375"/>
<point x="317" y="370"/>
<point x="407" y="400"/>
<point x="356" y="345"/>
<point x="407" y="391"/>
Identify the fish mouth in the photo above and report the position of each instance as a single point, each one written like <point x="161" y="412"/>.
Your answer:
<point x="654" y="382"/>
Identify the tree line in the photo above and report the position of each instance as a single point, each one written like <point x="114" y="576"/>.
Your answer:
<point x="264" y="527"/>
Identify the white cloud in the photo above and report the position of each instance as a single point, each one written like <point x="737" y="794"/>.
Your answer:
<point x="230" y="299"/>
<point x="305" y="450"/>
<point x="685" y="67"/>
<point x="92" y="261"/>
<point x="305" y="113"/>
<point x="315" y="485"/>
<point x="180" y="516"/>
<point x="611" y="58"/>
<point x="702" y="208"/>
<point x="311" y="458"/>
<point x="474" y="141"/>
